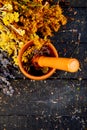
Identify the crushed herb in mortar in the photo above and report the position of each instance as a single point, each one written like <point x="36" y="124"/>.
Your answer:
<point x="31" y="53"/>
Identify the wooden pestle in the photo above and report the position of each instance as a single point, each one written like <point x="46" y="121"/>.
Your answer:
<point x="66" y="64"/>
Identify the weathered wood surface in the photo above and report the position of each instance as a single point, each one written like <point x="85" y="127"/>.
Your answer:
<point x="78" y="3"/>
<point x="44" y="100"/>
<point x="50" y="97"/>
<point x="75" y="3"/>
<point x="59" y="102"/>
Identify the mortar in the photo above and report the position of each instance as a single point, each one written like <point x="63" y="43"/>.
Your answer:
<point x="53" y="61"/>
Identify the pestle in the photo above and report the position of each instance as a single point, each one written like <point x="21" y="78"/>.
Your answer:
<point x="66" y="64"/>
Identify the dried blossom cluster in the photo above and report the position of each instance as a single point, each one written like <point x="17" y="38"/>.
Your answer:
<point x="24" y="20"/>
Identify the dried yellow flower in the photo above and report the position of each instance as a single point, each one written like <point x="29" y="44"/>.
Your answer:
<point x="26" y="20"/>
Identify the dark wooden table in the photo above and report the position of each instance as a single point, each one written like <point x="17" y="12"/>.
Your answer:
<point x="60" y="102"/>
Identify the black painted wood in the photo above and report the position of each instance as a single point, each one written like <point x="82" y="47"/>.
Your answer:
<point x="49" y="97"/>
<point x="73" y="3"/>
<point x="35" y="122"/>
<point x="78" y="3"/>
<point x="41" y="102"/>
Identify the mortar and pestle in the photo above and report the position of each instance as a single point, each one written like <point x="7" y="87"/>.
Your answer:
<point x="53" y="62"/>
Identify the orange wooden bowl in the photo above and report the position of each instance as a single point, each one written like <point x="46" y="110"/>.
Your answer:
<point x="42" y="77"/>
